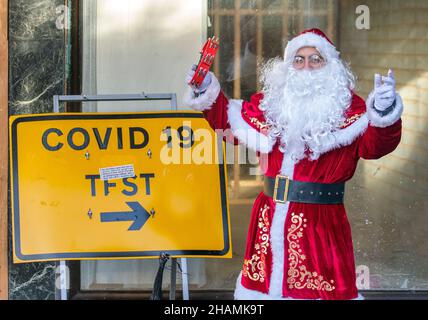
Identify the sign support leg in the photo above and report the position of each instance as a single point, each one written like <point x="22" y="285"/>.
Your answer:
<point x="173" y="283"/>
<point x="185" y="282"/>
<point x="61" y="281"/>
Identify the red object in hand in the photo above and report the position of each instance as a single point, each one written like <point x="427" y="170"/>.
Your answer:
<point x="207" y="58"/>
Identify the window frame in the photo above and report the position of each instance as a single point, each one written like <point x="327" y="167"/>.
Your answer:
<point x="74" y="87"/>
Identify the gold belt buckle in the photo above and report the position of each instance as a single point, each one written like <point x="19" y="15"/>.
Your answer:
<point x="275" y="190"/>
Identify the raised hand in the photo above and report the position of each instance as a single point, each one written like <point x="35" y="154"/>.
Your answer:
<point x="205" y="83"/>
<point x="384" y="93"/>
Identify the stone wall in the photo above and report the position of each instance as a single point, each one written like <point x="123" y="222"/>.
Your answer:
<point x="37" y="71"/>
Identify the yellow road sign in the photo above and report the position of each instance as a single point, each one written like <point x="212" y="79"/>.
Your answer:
<point x="117" y="186"/>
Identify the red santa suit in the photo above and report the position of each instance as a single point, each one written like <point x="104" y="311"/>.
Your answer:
<point x="300" y="250"/>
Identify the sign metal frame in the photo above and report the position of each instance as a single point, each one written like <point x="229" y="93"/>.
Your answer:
<point x="62" y="293"/>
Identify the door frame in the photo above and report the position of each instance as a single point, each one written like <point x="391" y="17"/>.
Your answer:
<point x="4" y="119"/>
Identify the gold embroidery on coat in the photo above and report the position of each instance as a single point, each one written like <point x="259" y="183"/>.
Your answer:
<point x="260" y="125"/>
<point x="298" y="276"/>
<point x="351" y="120"/>
<point x="255" y="268"/>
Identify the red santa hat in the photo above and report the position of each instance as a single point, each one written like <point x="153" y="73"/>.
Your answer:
<point x="311" y="38"/>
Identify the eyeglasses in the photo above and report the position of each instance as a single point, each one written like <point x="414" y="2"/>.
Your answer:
<point x="315" y="61"/>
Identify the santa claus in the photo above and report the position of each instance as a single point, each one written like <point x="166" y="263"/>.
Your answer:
<point x="314" y="129"/>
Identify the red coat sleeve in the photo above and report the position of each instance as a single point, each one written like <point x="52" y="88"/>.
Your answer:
<point x="214" y="106"/>
<point x="239" y="121"/>
<point x="383" y="133"/>
<point x="217" y="114"/>
<point x="377" y="142"/>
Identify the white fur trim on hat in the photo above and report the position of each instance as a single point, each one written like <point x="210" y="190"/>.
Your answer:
<point x="246" y="134"/>
<point x="205" y="100"/>
<point x="377" y="120"/>
<point x="310" y="39"/>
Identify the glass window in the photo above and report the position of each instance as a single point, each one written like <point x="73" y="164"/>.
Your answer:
<point x="387" y="204"/>
<point x="387" y="198"/>
<point x="132" y="47"/>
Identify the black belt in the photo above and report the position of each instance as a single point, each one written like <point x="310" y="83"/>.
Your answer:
<point x="282" y="189"/>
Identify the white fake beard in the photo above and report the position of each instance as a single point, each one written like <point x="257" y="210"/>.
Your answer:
<point x="301" y="106"/>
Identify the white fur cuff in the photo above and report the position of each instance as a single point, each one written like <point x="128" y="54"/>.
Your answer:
<point x="377" y="120"/>
<point x="343" y="137"/>
<point x="205" y="100"/>
<point x="246" y="134"/>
